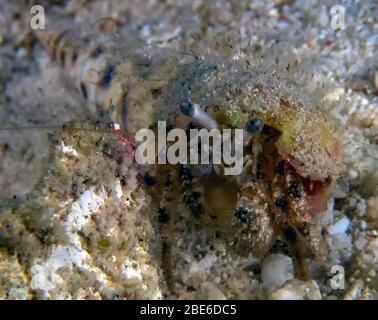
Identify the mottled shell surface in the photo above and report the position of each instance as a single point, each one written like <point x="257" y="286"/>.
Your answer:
<point x="309" y="139"/>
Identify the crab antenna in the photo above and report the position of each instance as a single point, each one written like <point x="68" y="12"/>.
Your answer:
<point x="53" y="128"/>
<point x="194" y="111"/>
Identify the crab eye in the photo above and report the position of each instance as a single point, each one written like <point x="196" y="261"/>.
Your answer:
<point x="255" y="125"/>
<point x="187" y="107"/>
<point x="195" y="112"/>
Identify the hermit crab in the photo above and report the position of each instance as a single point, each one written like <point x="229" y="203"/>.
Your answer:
<point x="291" y="150"/>
<point x="292" y="156"/>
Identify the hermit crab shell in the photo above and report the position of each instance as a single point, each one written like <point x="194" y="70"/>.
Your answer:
<point x="309" y="139"/>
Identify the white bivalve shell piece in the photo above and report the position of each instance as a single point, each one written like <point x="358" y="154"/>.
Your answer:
<point x="276" y="270"/>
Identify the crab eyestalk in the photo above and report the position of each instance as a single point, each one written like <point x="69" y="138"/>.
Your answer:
<point x="251" y="128"/>
<point x="195" y="112"/>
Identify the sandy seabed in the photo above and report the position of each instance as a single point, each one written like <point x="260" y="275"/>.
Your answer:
<point x="71" y="229"/>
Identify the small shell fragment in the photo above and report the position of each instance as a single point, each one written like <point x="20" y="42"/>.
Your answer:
<point x="276" y="270"/>
<point x="298" y="290"/>
<point x="341" y="226"/>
